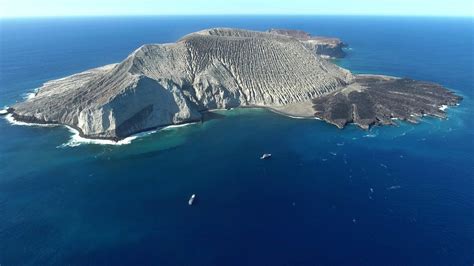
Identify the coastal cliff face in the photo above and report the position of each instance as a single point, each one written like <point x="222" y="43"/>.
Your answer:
<point x="324" y="46"/>
<point x="164" y="84"/>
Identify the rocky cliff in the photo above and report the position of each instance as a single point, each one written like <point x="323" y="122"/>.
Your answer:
<point x="324" y="46"/>
<point x="164" y="84"/>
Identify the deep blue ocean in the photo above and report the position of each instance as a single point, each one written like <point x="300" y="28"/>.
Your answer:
<point x="389" y="196"/>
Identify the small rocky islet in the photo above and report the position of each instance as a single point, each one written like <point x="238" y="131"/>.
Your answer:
<point x="284" y="70"/>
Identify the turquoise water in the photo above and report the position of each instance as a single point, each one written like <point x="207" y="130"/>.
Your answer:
<point x="392" y="195"/>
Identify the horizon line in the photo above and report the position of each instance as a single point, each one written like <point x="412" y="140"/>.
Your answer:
<point x="236" y="14"/>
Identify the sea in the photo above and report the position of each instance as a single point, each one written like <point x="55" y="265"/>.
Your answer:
<point x="393" y="195"/>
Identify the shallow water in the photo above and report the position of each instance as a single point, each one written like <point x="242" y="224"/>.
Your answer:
<point x="391" y="195"/>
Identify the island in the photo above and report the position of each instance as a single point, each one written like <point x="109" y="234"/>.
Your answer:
<point x="286" y="71"/>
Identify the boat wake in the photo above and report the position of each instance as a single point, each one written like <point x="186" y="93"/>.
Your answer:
<point x="372" y="134"/>
<point x="393" y="187"/>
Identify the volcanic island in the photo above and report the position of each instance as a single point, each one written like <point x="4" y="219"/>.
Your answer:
<point x="287" y="71"/>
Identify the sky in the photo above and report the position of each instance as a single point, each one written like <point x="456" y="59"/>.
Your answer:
<point x="48" y="8"/>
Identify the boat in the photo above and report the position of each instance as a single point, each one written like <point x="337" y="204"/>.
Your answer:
<point x="191" y="200"/>
<point x="266" y="156"/>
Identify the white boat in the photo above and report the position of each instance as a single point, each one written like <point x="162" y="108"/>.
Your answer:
<point x="191" y="200"/>
<point x="266" y="156"/>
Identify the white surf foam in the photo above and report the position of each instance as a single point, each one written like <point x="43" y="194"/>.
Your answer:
<point x="77" y="140"/>
<point x="443" y="107"/>
<point x="11" y="120"/>
<point x="30" y="95"/>
<point x="177" y="126"/>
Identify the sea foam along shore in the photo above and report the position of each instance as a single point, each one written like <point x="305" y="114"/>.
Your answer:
<point x="30" y="95"/>
<point x="12" y="121"/>
<point x="76" y="139"/>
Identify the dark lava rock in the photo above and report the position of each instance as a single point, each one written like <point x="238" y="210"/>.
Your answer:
<point x="378" y="100"/>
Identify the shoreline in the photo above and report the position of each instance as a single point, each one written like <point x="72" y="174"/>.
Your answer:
<point x="79" y="137"/>
<point x="283" y="110"/>
<point x="300" y="111"/>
